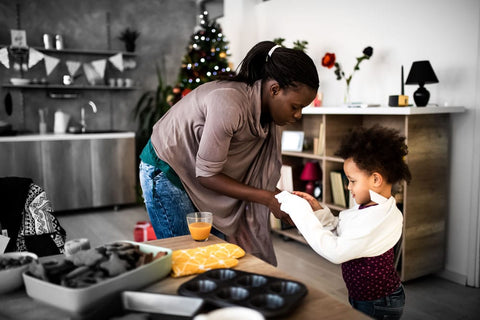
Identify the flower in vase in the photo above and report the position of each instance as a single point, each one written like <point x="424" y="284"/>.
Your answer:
<point x="329" y="61"/>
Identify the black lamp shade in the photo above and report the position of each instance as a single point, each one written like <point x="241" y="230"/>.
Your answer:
<point x="421" y="73"/>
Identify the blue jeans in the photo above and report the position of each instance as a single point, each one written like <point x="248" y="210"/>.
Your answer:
<point x="167" y="205"/>
<point x="387" y="308"/>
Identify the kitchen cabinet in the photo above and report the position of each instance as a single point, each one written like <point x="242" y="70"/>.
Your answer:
<point x="67" y="173"/>
<point x="21" y="159"/>
<point x="113" y="179"/>
<point x="77" y="171"/>
<point x="424" y="202"/>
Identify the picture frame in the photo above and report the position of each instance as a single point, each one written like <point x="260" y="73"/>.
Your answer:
<point x="19" y="38"/>
<point x="292" y="140"/>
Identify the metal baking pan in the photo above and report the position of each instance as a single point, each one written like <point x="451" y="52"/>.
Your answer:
<point x="164" y="304"/>
<point x="271" y="296"/>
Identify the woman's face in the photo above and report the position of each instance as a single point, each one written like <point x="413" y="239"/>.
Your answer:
<point x="359" y="181"/>
<point x="285" y="105"/>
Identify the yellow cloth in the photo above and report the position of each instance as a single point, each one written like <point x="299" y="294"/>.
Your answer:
<point x="198" y="260"/>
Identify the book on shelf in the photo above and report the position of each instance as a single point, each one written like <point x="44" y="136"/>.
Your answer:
<point x="319" y="141"/>
<point x="340" y="193"/>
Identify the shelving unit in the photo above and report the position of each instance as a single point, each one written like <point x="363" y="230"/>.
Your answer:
<point x="75" y="52"/>
<point x="424" y="200"/>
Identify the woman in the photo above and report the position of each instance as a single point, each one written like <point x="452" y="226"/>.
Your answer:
<point x="218" y="149"/>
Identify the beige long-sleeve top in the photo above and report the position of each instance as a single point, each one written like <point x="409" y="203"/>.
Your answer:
<point x="216" y="129"/>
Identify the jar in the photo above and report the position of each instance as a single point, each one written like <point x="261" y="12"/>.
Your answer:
<point x="58" y="42"/>
<point x="47" y="41"/>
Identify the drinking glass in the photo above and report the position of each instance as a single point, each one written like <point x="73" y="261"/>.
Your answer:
<point x="200" y="225"/>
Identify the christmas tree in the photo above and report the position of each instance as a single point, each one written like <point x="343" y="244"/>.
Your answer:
<point x="206" y="57"/>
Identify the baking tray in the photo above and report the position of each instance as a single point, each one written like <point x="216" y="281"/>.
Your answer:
<point x="270" y="296"/>
<point x="86" y="301"/>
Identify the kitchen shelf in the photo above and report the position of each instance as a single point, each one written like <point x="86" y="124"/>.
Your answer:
<point x="63" y="87"/>
<point x="81" y="51"/>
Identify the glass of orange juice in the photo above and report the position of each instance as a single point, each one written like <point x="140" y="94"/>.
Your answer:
<point x="199" y="224"/>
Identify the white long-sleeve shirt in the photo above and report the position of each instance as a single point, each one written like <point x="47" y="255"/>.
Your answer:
<point x="353" y="234"/>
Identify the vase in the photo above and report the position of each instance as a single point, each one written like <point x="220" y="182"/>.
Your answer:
<point x="346" y="96"/>
<point x="130" y="46"/>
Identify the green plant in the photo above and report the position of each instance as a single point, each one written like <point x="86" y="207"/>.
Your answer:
<point x="129" y="35"/>
<point x="151" y="106"/>
<point x="298" y="45"/>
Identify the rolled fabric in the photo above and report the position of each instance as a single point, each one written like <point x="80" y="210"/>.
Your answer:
<point x="75" y="245"/>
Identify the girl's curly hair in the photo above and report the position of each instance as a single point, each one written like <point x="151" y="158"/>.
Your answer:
<point x="377" y="149"/>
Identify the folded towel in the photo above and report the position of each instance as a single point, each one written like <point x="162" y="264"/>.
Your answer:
<point x="198" y="260"/>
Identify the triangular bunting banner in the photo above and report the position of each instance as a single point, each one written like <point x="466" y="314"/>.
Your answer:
<point x="50" y="63"/>
<point x="117" y="61"/>
<point x="73" y="67"/>
<point x="99" y="66"/>
<point x="34" y="57"/>
<point x="92" y="76"/>
<point x="4" y="58"/>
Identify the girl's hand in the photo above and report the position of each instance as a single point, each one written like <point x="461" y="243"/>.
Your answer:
<point x="311" y="200"/>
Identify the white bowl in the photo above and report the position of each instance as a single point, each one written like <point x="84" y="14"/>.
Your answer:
<point x="11" y="279"/>
<point x="19" y="81"/>
<point x="90" y="299"/>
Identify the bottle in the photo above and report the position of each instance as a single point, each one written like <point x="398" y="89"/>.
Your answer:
<point x="42" y="126"/>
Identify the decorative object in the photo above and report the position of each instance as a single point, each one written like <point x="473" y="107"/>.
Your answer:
<point x="421" y="73"/>
<point x="292" y="140"/>
<point x="399" y="100"/>
<point x="311" y="173"/>
<point x="129" y="36"/>
<point x="329" y="61"/>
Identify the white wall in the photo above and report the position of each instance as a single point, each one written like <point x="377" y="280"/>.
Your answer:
<point x="446" y="32"/>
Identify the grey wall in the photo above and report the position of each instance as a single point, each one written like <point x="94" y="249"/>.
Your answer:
<point x="165" y="26"/>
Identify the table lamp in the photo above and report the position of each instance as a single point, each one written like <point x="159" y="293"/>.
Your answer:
<point x="421" y="73"/>
<point x="311" y="173"/>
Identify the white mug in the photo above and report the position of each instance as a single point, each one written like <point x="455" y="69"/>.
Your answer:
<point x="231" y="313"/>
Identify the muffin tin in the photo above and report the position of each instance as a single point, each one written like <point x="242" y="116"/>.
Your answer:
<point x="226" y="287"/>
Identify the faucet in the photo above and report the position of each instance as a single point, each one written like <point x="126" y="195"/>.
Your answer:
<point x="83" y="124"/>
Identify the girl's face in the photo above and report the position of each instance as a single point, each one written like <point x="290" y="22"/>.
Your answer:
<point x="285" y="105"/>
<point x="359" y="182"/>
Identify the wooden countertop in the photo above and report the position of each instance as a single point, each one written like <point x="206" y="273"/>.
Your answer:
<point x="315" y="305"/>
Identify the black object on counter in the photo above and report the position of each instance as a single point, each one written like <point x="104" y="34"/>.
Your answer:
<point x="270" y="296"/>
<point x="8" y="104"/>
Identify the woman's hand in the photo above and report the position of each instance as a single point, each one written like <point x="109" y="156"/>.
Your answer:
<point x="274" y="207"/>
<point x="311" y="200"/>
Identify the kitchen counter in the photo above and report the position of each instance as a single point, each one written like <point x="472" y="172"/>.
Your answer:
<point x="316" y="304"/>
<point x="68" y="136"/>
<point x="93" y="163"/>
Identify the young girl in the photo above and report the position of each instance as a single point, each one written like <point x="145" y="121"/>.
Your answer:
<point x="218" y="150"/>
<point x="362" y="238"/>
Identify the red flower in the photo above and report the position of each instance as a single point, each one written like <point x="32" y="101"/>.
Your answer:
<point x="328" y="60"/>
